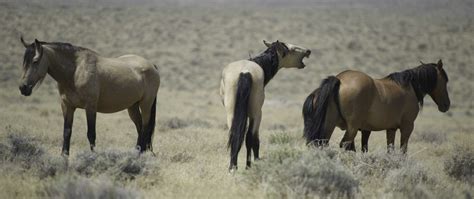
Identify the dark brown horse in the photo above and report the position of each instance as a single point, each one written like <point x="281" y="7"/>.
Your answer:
<point x="354" y="101"/>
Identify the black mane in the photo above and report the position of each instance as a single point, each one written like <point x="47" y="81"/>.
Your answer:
<point x="30" y="49"/>
<point x="422" y="78"/>
<point x="268" y="60"/>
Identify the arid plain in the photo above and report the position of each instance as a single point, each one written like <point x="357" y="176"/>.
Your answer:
<point x="191" y="43"/>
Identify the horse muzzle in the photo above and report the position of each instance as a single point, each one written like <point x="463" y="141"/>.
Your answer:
<point x="443" y="108"/>
<point x="26" y="90"/>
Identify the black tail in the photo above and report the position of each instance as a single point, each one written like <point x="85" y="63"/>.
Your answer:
<point x="315" y="114"/>
<point x="239" y="121"/>
<point x="151" y="127"/>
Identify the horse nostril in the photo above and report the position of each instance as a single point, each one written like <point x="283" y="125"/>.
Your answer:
<point x="308" y="52"/>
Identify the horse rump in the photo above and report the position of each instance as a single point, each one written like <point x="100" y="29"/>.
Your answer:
<point x="239" y="120"/>
<point x="314" y="113"/>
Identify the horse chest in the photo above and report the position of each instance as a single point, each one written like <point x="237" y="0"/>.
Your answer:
<point x="73" y="98"/>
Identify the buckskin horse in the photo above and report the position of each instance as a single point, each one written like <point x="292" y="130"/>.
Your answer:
<point x="242" y="92"/>
<point x="354" y="101"/>
<point x="89" y="81"/>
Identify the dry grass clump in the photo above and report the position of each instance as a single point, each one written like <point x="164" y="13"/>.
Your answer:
<point x="26" y="151"/>
<point x="119" y="164"/>
<point x="77" y="187"/>
<point x="280" y="138"/>
<point x="290" y="173"/>
<point x="460" y="165"/>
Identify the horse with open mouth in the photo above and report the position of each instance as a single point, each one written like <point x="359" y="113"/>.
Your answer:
<point x="242" y="92"/>
<point x="354" y="101"/>
<point x="89" y="81"/>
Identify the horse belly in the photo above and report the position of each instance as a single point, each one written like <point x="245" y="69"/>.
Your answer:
<point x="382" y="118"/>
<point x="119" y="97"/>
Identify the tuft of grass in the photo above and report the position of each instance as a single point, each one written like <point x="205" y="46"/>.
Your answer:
<point x="280" y="138"/>
<point x="77" y="187"/>
<point x="121" y="164"/>
<point x="460" y="165"/>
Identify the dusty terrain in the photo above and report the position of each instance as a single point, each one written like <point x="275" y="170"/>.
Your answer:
<point x="191" y="44"/>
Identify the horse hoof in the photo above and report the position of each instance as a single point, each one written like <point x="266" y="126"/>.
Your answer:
<point x="232" y="170"/>
<point x="65" y="154"/>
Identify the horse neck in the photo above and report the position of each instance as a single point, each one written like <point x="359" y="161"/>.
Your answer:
<point x="61" y="65"/>
<point x="268" y="61"/>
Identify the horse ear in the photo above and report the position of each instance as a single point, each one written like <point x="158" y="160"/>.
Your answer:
<point x="267" y="44"/>
<point x="38" y="50"/>
<point x="282" y="48"/>
<point x="23" y="41"/>
<point x="440" y="63"/>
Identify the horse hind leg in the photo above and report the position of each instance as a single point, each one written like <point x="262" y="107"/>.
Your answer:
<point x="347" y="145"/>
<point x="365" y="141"/>
<point x="405" y="131"/>
<point x="391" y="140"/>
<point x="147" y="115"/>
<point x="348" y="139"/>
<point x="252" y="140"/>
<point x="91" y="115"/>
<point x="135" y="116"/>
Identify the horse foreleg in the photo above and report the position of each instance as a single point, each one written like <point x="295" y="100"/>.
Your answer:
<point x="405" y="131"/>
<point x="91" y="115"/>
<point x="391" y="139"/>
<point x="68" y="114"/>
<point x="365" y="141"/>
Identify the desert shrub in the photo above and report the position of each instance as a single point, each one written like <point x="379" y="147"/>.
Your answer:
<point x="304" y="174"/>
<point x="377" y="163"/>
<point x="24" y="149"/>
<point x="27" y="152"/>
<point x="460" y="165"/>
<point x="410" y="181"/>
<point x="121" y="164"/>
<point x="76" y="187"/>
<point x="434" y="137"/>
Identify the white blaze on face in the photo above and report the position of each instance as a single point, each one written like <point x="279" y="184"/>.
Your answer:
<point x="295" y="56"/>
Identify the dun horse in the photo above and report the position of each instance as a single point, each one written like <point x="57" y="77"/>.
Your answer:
<point x="354" y="101"/>
<point x="242" y="91"/>
<point x="89" y="81"/>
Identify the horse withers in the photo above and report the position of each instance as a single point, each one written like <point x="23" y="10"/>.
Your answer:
<point x="354" y="101"/>
<point x="242" y="92"/>
<point x="89" y="81"/>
